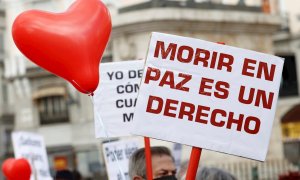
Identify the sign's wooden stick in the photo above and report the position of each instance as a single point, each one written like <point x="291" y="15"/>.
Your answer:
<point x="148" y="158"/>
<point x="194" y="159"/>
<point x="194" y="163"/>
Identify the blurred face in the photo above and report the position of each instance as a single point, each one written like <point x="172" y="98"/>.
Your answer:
<point x="163" y="166"/>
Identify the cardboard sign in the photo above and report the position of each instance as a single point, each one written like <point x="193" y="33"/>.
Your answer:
<point x="208" y="95"/>
<point x="117" y="155"/>
<point x="32" y="147"/>
<point x="115" y="98"/>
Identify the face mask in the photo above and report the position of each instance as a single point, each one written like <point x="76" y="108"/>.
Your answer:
<point x="166" y="178"/>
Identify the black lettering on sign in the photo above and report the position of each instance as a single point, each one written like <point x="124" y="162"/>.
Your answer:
<point x="110" y="75"/>
<point x="29" y="142"/>
<point x="128" y="88"/>
<point x="118" y="75"/>
<point x="135" y="74"/>
<point x="114" y="154"/>
<point x="127" y="103"/>
<point x="119" y="176"/>
<point x="127" y="117"/>
<point x="129" y="151"/>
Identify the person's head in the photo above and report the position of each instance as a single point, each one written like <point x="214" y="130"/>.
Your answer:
<point x="213" y="174"/>
<point x="77" y="175"/>
<point x="64" y="175"/>
<point x="163" y="165"/>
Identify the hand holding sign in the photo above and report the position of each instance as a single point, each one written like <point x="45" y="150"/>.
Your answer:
<point x="68" y="44"/>
<point x="16" y="169"/>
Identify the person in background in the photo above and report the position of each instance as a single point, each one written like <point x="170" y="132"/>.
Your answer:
<point x="206" y="173"/>
<point x="77" y="175"/>
<point x="163" y="165"/>
<point x="64" y="175"/>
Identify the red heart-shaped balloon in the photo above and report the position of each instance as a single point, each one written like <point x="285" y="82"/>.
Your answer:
<point x="68" y="44"/>
<point x="20" y="170"/>
<point x="7" y="167"/>
<point x="16" y="169"/>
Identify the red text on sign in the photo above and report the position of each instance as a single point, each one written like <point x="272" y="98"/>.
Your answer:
<point x="257" y="97"/>
<point x="197" y="56"/>
<point x="168" y="79"/>
<point x="257" y="69"/>
<point x="203" y="114"/>
<point x="221" y="88"/>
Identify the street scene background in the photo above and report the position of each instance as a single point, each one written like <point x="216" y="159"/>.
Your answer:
<point x="34" y="100"/>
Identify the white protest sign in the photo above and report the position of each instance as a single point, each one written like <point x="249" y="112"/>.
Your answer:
<point x="32" y="147"/>
<point x="208" y="95"/>
<point x="117" y="155"/>
<point x="115" y="97"/>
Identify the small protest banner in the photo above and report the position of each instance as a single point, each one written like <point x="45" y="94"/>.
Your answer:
<point x="32" y="147"/>
<point x="116" y="96"/>
<point x="208" y="95"/>
<point x="117" y="155"/>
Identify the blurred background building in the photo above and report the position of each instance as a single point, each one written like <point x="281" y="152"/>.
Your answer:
<point x="6" y="112"/>
<point x="32" y="99"/>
